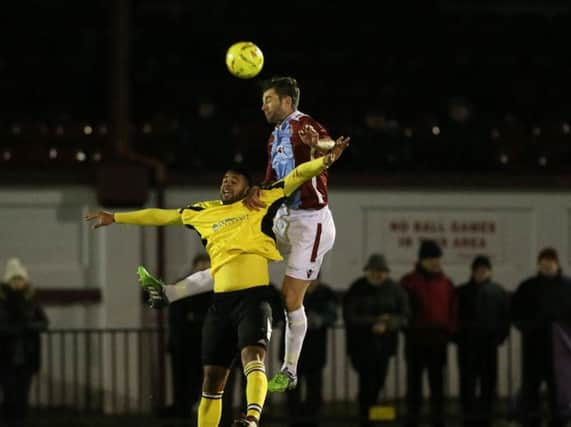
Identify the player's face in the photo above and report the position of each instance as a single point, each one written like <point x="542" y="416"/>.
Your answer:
<point x="234" y="187"/>
<point x="274" y="108"/>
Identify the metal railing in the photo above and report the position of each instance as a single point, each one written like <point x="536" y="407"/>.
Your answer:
<point x="116" y="371"/>
<point x="97" y="370"/>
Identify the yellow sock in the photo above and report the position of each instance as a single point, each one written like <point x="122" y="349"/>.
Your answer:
<point x="256" y="387"/>
<point x="210" y="410"/>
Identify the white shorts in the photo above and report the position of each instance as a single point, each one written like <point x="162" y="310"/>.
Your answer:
<point x="304" y="237"/>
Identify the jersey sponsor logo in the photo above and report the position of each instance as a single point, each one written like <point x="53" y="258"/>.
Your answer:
<point x="228" y="221"/>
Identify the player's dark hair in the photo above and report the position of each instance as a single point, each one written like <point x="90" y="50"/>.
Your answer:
<point x="241" y="171"/>
<point x="284" y="86"/>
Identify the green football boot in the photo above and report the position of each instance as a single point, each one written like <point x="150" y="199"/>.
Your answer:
<point x="154" y="287"/>
<point x="282" y="381"/>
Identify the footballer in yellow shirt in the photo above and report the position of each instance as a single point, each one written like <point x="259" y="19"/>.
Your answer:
<point x="240" y="243"/>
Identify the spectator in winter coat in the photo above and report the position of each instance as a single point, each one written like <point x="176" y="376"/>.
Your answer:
<point x="375" y="308"/>
<point x="433" y="322"/>
<point x="537" y="304"/>
<point x="483" y="324"/>
<point x="21" y="321"/>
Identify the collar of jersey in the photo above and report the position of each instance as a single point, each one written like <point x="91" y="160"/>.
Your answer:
<point x="285" y="122"/>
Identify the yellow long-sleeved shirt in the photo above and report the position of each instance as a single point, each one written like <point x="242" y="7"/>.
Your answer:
<point x="239" y="241"/>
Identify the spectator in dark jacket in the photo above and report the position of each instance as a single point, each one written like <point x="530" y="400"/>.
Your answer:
<point x="374" y="308"/>
<point x="186" y="318"/>
<point x="483" y="324"/>
<point x="21" y="321"/>
<point x="320" y="304"/>
<point x="537" y="303"/>
<point x="433" y="321"/>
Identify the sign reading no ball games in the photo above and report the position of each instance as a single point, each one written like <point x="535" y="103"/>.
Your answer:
<point x="462" y="235"/>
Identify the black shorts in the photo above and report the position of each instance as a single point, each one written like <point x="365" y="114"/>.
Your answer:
<point x="236" y="320"/>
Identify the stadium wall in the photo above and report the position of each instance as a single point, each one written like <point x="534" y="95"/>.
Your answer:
<point x="43" y="226"/>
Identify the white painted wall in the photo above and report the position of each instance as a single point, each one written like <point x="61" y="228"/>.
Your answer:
<point x="526" y="221"/>
<point x="44" y="228"/>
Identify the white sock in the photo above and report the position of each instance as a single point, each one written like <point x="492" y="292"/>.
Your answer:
<point x="197" y="283"/>
<point x="296" y="327"/>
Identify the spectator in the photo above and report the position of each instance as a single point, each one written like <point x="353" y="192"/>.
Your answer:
<point x="21" y="321"/>
<point x="186" y="318"/>
<point x="483" y="324"/>
<point x="433" y="321"/>
<point x="537" y="304"/>
<point x="562" y="366"/>
<point x="321" y="309"/>
<point x="375" y="308"/>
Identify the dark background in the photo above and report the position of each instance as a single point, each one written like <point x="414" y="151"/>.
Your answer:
<point x="450" y="87"/>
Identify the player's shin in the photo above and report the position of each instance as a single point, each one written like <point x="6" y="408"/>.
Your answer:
<point x="296" y="328"/>
<point x="195" y="284"/>
<point x="210" y="409"/>
<point x="256" y="387"/>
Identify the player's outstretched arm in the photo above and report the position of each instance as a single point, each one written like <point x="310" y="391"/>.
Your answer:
<point x="308" y="170"/>
<point x="309" y="136"/>
<point x="340" y="145"/>
<point x="101" y="218"/>
<point x="253" y="199"/>
<point x="141" y="217"/>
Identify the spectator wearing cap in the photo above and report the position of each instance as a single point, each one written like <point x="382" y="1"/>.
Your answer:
<point x="375" y="308"/>
<point x="21" y="321"/>
<point x="432" y="324"/>
<point x="483" y="325"/>
<point x="538" y="303"/>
